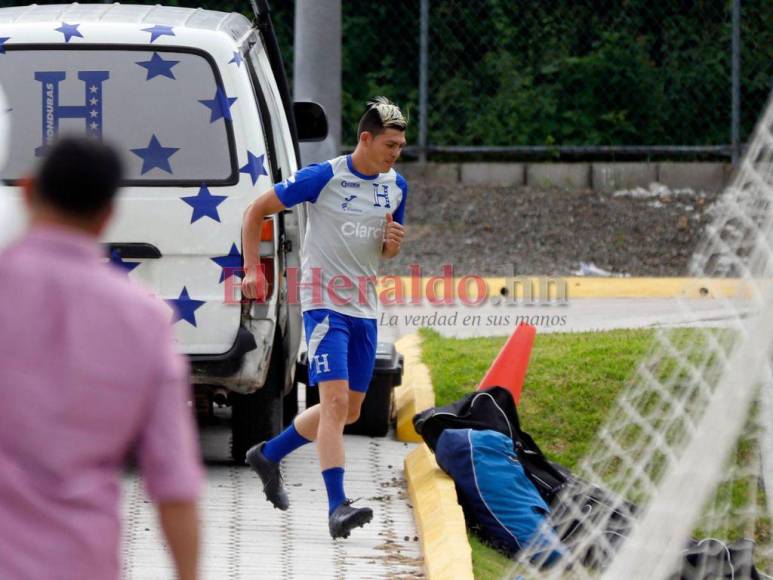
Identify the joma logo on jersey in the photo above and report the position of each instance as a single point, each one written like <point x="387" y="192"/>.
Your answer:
<point x="346" y="205"/>
<point x="53" y="112"/>
<point x="321" y="363"/>
<point x="346" y="184"/>
<point x="382" y="194"/>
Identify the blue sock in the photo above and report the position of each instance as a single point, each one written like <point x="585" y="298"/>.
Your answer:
<point x="286" y="442"/>
<point x="334" y="482"/>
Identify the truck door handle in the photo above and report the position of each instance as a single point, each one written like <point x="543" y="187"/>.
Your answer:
<point x="134" y="251"/>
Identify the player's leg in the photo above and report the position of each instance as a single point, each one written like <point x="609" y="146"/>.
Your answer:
<point x="334" y="411"/>
<point x="361" y="359"/>
<point x="336" y="400"/>
<point x="325" y="338"/>
<point x="334" y="408"/>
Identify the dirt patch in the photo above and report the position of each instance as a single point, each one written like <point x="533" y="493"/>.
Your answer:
<point x="502" y="230"/>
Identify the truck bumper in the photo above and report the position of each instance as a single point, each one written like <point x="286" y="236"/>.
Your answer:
<point x="243" y="369"/>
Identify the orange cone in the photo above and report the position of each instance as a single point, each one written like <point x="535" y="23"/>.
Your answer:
<point x="509" y="368"/>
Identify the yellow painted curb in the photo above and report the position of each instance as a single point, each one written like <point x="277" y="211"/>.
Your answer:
<point x="439" y="518"/>
<point x="537" y="289"/>
<point x="581" y="287"/>
<point x="415" y="394"/>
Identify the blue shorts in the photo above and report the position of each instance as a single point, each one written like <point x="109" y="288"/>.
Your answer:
<point x="340" y="348"/>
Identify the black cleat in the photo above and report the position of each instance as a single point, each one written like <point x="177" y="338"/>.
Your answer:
<point x="269" y="474"/>
<point x="345" y="518"/>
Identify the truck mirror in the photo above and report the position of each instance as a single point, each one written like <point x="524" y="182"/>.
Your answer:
<point x="310" y="121"/>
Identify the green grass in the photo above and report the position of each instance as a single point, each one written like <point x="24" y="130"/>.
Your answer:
<point x="571" y="383"/>
<point x="487" y="563"/>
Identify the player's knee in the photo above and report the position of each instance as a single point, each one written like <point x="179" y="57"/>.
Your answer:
<point x="337" y="405"/>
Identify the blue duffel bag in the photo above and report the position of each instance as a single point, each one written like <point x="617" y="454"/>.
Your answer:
<point x="494" y="491"/>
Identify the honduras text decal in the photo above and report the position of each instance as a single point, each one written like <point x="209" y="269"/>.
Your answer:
<point x="53" y="110"/>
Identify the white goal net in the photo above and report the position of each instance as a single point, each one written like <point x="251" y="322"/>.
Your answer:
<point x="679" y="483"/>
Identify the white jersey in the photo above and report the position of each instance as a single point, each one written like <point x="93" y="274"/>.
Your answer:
<point x="342" y="248"/>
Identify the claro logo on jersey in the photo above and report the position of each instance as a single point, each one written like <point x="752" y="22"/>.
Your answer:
<point x="361" y="231"/>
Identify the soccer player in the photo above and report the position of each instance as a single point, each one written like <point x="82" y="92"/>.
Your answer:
<point x="355" y="205"/>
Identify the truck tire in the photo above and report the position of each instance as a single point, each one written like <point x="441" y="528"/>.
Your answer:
<point x="258" y="416"/>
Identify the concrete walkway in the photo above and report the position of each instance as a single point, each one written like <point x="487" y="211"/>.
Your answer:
<point x="244" y="537"/>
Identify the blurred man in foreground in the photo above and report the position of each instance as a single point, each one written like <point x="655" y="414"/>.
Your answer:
<point x="88" y="377"/>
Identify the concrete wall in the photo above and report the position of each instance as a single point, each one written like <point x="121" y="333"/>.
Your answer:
<point x="605" y="177"/>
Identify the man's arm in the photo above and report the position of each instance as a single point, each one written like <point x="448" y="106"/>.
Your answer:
<point x="393" y="237"/>
<point x="394" y="230"/>
<point x="254" y="285"/>
<point x="180" y="523"/>
<point x="168" y="449"/>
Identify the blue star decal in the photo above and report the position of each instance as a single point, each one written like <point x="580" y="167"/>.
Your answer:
<point x="69" y="30"/>
<point x="231" y="264"/>
<point x="255" y="167"/>
<point x="204" y="204"/>
<point x="117" y="260"/>
<point x="237" y="59"/>
<point x="155" y="156"/>
<point x="3" y="40"/>
<point x="159" y="30"/>
<point x="185" y="307"/>
<point x="219" y="105"/>
<point x="158" y="67"/>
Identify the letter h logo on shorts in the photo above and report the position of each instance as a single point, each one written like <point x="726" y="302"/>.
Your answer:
<point x="322" y="364"/>
<point x="384" y="194"/>
<point x="53" y="112"/>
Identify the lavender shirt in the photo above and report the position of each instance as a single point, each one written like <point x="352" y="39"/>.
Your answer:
<point x="88" y="377"/>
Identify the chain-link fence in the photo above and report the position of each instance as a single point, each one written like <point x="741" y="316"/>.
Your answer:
<point x="593" y="75"/>
<point x="562" y="77"/>
<point x="553" y="77"/>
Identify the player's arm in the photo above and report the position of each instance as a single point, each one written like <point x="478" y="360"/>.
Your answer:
<point x="305" y="185"/>
<point x="254" y="285"/>
<point x="394" y="231"/>
<point x="393" y="237"/>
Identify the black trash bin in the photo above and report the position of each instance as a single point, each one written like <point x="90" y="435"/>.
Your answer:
<point x="377" y="406"/>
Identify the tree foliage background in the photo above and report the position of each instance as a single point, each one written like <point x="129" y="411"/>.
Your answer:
<point x="569" y="72"/>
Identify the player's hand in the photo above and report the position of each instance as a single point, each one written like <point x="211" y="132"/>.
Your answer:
<point x="254" y="283"/>
<point x="393" y="236"/>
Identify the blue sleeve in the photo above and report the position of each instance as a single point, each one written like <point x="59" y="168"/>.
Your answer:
<point x="399" y="214"/>
<point x="305" y="185"/>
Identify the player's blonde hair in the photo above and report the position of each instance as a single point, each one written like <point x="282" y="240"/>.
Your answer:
<point x="390" y="114"/>
<point x="381" y="114"/>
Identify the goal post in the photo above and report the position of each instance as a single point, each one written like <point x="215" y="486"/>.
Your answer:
<point x="686" y="453"/>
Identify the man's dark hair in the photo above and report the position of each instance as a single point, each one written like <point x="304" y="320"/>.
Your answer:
<point x="382" y="114"/>
<point x="79" y="175"/>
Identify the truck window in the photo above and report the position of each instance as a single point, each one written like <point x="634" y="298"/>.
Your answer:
<point x="165" y="110"/>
